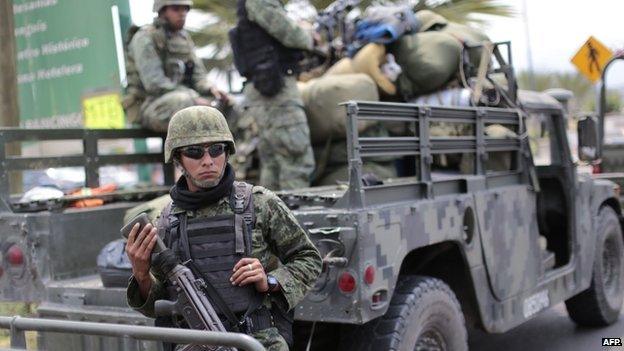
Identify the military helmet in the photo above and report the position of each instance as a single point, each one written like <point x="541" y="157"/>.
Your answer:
<point x="159" y="4"/>
<point x="197" y="125"/>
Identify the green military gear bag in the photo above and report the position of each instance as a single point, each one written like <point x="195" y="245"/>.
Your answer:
<point x="197" y="125"/>
<point x="322" y="97"/>
<point x="428" y="60"/>
<point x="431" y="58"/>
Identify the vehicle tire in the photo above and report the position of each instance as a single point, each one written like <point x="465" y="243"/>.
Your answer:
<point x="600" y="304"/>
<point x="424" y="314"/>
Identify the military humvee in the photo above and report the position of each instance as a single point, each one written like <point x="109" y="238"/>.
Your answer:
<point x="485" y="228"/>
<point x="509" y="231"/>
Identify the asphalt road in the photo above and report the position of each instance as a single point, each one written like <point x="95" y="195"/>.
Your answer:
<point x="552" y="331"/>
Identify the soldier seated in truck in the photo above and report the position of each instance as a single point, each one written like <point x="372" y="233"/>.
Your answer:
<point x="164" y="73"/>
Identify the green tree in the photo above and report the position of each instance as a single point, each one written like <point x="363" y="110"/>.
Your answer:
<point x="462" y="11"/>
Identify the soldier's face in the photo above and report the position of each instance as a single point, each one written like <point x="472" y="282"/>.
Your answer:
<point x="205" y="172"/>
<point x="175" y="15"/>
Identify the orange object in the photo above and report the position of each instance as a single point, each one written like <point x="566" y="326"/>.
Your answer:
<point x="104" y="189"/>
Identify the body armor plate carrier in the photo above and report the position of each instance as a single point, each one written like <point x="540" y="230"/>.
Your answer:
<point x="259" y="57"/>
<point x="211" y="247"/>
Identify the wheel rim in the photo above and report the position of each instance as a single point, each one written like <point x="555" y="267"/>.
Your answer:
<point x="611" y="270"/>
<point x="430" y="340"/>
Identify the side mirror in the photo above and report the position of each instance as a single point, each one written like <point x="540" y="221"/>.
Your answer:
<point x="588" y="138"/>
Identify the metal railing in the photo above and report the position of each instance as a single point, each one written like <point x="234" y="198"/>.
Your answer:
<point x="417" y="141"/>
<point x="91" y="158"/>
<point x="18" y="325"/>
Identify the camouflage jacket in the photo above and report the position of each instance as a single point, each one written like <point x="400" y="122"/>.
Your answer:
<point x="153" y="61"/>
<point x="276" y="234"/>
<point x="272" y="17"/>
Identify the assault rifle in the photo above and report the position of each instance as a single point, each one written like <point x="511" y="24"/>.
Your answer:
<point x="191" y="301"/>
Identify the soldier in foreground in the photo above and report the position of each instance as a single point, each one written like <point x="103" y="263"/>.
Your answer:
<point x="267" y="47"/>
<point x="164" y="74"/>
<point x="229" y="231"/>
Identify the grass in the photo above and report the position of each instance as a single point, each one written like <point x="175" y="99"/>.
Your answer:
<point x="19" y="309"/>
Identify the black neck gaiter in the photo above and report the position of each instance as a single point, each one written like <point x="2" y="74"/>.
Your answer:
<point x="193" y="200"/>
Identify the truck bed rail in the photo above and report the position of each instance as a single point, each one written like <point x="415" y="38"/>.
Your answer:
<point x="91" y="159"/>
<point x="416" y="140"/>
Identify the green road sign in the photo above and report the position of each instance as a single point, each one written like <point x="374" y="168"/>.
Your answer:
<point x="67" y="52"/>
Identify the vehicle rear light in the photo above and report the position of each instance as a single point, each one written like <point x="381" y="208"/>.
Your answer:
<point x="346" y="283"/>
<point x="596" y="169"/>
<point x="369" y="275"/>
<point x="379" y="298"/>
<point x="15" y="255"/>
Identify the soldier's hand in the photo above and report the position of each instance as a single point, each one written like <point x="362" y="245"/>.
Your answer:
<point x="202" y="101"/>
<point x="250" y="270"/>
<point x="220" y="95"/>
<point x="139" y="247"/>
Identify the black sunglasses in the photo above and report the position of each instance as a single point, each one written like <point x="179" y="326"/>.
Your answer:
<point x="196" y="152"/>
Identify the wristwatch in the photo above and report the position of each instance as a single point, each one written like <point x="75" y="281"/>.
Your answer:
<point x="272" y="282"/>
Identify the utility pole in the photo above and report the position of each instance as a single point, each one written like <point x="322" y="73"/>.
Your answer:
<point x="9" y="111"/>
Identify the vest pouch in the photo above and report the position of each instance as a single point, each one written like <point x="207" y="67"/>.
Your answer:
<point x="180" y="47"/>
<point x="267" y="76"/>
<point x="240" y="61"/>
<point x="179" y="51"/>
<point x="175" y="69"/>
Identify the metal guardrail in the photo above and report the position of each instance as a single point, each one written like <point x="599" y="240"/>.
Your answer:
<point x="18" y="325"/>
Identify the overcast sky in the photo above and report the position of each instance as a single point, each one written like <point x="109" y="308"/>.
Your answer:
<point x="557" y="29"/>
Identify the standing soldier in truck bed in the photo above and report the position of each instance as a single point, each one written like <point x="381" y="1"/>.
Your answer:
<point x="267" y="48"/>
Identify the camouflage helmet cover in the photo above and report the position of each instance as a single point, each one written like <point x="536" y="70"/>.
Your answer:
<point x="159" y="4"/>
<point x="197" y="125"/>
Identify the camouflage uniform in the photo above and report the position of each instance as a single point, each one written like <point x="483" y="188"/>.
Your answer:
<point x="276" y="231"/>
<point x="156" y="65"/>
<point x="285" y="151"/>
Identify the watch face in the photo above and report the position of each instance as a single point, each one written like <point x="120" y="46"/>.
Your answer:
<point x="271" y="281"/>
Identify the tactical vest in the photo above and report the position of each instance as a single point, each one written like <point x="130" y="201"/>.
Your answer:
<point x="215" y="244"/>
<point x="176" y="55"/>
<point x="259" y="57"/>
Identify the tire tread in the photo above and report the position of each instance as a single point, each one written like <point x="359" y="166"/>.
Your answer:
<point x="386" y="330"/>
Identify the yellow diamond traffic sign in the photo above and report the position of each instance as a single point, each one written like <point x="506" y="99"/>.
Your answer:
<point x="591" y="58"/>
